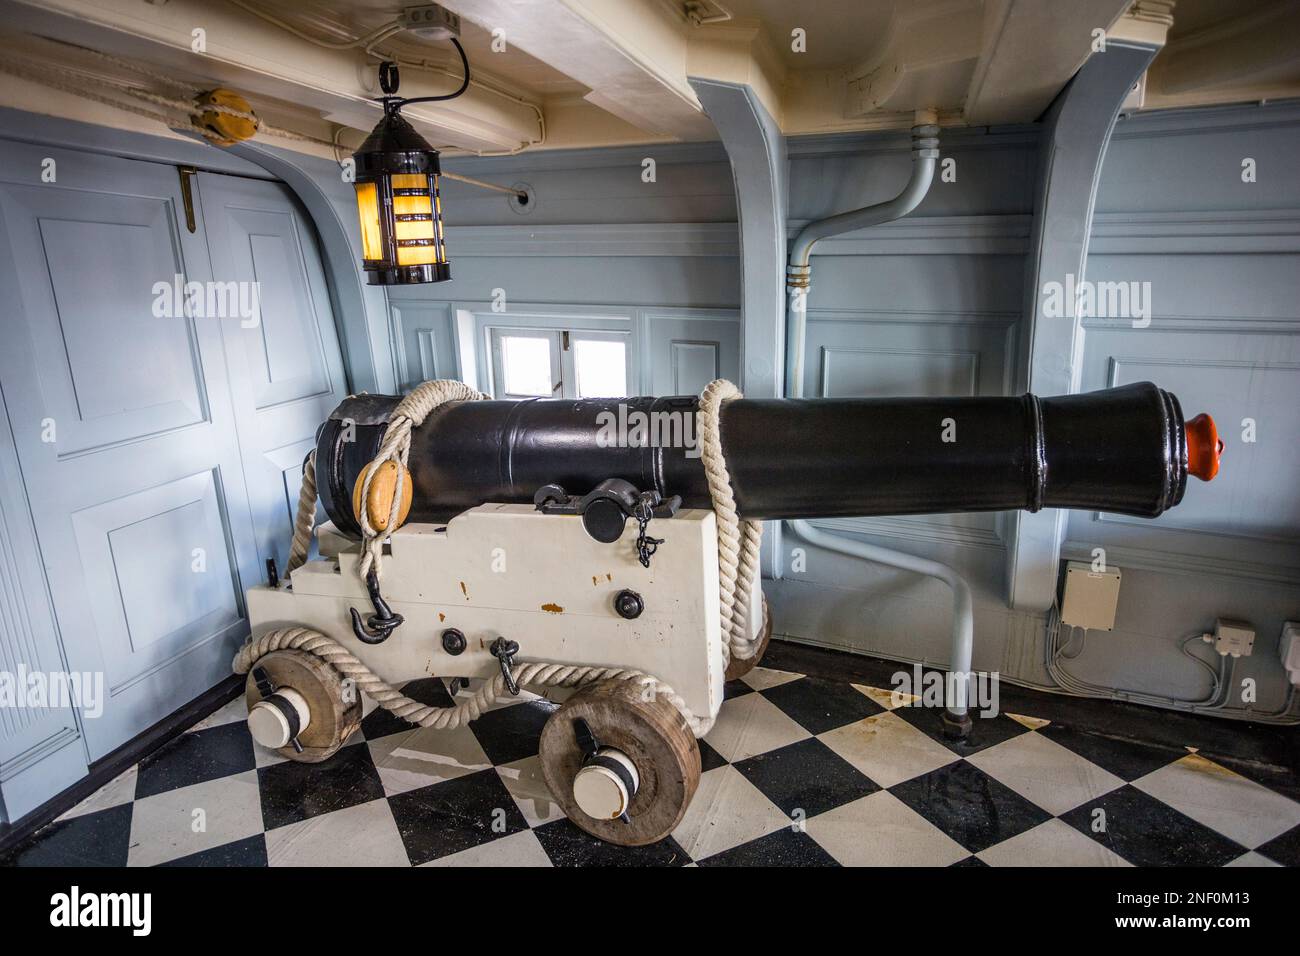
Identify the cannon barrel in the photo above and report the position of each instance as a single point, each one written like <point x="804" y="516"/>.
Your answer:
<point x="1121" y="450"/>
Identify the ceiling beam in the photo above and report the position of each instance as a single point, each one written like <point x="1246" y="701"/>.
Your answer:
<point x="631" y="54"/>
<point x="1239" y="51"/>
<point x="246" y="54"/>
<point x="1031" y="51"/>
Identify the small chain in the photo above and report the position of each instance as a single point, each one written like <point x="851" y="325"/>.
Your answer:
<point x="646" y="546"/>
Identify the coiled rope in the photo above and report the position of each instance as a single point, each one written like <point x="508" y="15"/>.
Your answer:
<point x="530" y="673"/>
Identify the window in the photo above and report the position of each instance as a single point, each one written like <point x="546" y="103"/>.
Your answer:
<point x="562" y="363"/>
<point x="526" y="365"/>
<point x="600" y="368"/>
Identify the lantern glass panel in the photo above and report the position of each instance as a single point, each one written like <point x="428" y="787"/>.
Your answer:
<point x="372" y="241"/>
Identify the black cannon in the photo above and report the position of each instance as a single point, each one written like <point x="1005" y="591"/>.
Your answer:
<point x="1124" y="450"/>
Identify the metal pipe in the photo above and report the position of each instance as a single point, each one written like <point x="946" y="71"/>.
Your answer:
<point x="925" y="154"/>
<point x="963" y="618"/>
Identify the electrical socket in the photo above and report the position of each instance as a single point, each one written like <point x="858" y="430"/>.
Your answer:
<point x="1288" y="649"/>
<point x="1235" y="638"/>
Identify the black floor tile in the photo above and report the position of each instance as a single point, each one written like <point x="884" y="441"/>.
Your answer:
<point x="735" y="688"/>
<point x="1126" y="758"/>
<point x="430" y="691"/>
<point x="806" y="776"/>
<point x="91" y="839"/>
<point x="985" y="731"/>
<point x="1146" y="832"/>
<point x="247" y="852"/>
<point x="971" y="861"/>
<point x="1284" y="849"/>
<point x="566" y="845"/>
<point x="196" y="757"/>
<point x="454" y="815"/>
<point x="292" y="792"/>
<point x="511" y="733"/>
<point x="969" y="805"/>
<point x="710" y="759"/>
<point x="785" y="847"/>
<point x="820" y="705"/>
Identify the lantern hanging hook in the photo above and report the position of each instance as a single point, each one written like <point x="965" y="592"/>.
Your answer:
<point x="389" y="79"/>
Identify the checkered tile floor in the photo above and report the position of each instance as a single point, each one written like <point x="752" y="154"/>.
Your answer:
<point x="798" y="770"/>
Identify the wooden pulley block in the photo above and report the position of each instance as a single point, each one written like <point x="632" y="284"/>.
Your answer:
<point x="379" y="503"/>
<point x="226" y="130"/>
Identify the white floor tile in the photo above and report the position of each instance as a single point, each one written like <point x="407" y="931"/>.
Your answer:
<point x="1252" y="859"/>
<point x="227" y="714"/>
<point x="887" y="749"/>
<point x="524" y="780"/>
<point x="180" y="822"/>
<point x="119" y="790"/>
<point x="364" y="835"/>
<point x="424" y="756"/>
<point x="881" y="830"/>
<point x="1044" y="772"/>
<point x="761" y="678"/>
<point x="517" y="849"/>
<point x="266" y="758"/>
<point x="752" y="724"/>
<point x="1052" y="843"/>
<point x="1225" y="801"/>
<point x="1033" y="723"/>
<point x="727" y="811"/>
<point x="885" y="697"/>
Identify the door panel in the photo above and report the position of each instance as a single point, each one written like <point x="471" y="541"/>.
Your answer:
<point x="102" y="261"/>
<point x="125" y="431"/>
<point x="286" y="369"/>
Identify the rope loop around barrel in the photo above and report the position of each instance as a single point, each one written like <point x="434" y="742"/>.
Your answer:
<point x="409" y="414"/>
<point x="739" y="540"/>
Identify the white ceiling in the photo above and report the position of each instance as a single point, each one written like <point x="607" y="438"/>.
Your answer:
<point x="595" y="72"/>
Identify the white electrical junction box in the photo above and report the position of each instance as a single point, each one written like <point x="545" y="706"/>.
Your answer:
<point x="1091" y="597"/>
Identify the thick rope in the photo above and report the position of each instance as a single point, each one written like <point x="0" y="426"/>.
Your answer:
<point x="304" y="521"/>
<point x="531" y="673"/>
<point x="739" y="540"/>
<point x="410" y="412"/>
<point x="188" y="108"/>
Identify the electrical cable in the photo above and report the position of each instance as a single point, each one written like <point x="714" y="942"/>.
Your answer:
<point x="374" y="36"/>
<point x="464" y="83"/>
<point x="367" y="44"/>
<point x="1215" y="703"/>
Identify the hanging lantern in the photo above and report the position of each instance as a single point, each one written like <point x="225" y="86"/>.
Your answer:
<point x="398" y="204"/>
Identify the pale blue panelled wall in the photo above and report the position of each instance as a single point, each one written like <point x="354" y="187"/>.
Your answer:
<point x="639" y="240"/>
<point x="1223" y="260"/>
<point x="1222" y="256"/>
